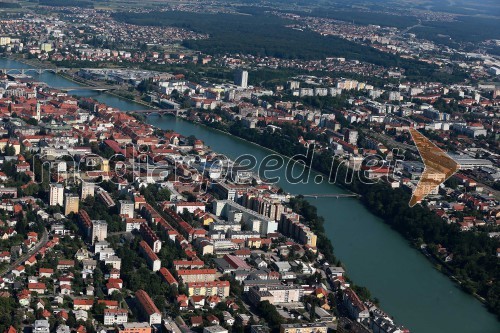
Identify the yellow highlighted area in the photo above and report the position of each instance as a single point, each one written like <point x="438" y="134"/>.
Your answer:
<point x="438" y="167"/>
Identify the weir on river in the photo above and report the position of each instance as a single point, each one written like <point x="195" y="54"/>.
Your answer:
<point x="409" y="288"/>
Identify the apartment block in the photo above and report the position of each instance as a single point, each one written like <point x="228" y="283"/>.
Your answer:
<point x="219" y="288"/>
<point x="115" y="316"/>
<point x="304" y="328"/>
<point x="290" y="226"/>
<point x="88" y="190"/>
<point x="71" y="203"/>
<point x="152" y="259"/>
<point x="134" y="328"/>
<point x="275" y="294"/>
<point x="150" y="237"/>
<point x="56" y="195"/>
<point x="127" y="208"/>
<point x="196" y="275"/>
<point x="147" y="307"/>
<point x="99" y="230"/>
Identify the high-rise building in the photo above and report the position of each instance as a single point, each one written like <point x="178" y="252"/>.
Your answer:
<point x="56" y="195"/>
<point x="394" y="95"/>
<point x="292" y="85"/>
<point x="87" y="190"/>
<point x="71" y="203"/>
<point x="351" y="136"/>
<point x="105" y="165"/>
<point x="4" y="41"/>
<point x="241" y="78"/>
<point x="127" y="208"/>
<point x="496" y="92"/>
<point x="99" y="230"/>
<point x="38" y="115"/>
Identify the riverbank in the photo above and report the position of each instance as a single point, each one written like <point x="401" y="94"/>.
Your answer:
<point x="35" y="63"/>
<point x="437" y="262"/>
<point x="440" y="265"/>
<point x="285" y="157"/>
<point x="376" y="256"/>
<point x="110" y="92"/>
<point x="49" y="65"/>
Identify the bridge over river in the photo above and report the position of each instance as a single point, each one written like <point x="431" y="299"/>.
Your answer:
<point x="38" y="71"/>
<point x="332" y="195"/>
<point x="160" y="112"/>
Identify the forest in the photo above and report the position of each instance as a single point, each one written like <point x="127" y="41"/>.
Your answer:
<point x="63" y="3"/>
<point x="463" y="29"/>
<point x="262" y="34"/>
<point x="9" y="5"/>
<point x="366" y="17"/>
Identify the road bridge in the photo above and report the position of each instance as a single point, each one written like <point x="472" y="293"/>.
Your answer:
<point x="175" y="112"/>
<point x="94" y="88"/>
<point x="38" y="71"/>
<point x="331" y="195"/>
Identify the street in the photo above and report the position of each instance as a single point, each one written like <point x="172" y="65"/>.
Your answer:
<point x="24" y="257"/>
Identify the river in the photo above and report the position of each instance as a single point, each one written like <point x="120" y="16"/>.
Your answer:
<point x="375" y="256"/>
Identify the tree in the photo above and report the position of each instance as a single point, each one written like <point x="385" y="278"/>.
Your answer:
<point x="270" y="314"/>
<point x="145" y="85"/>
<point x="10" y="150"/>
<point x="7" y="307"/>
<point x="32" y="121"/>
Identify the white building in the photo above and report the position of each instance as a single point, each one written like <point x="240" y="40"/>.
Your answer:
<point x="148" y="308"/>
<point x="63" y="329"/>
<point x="133" y="224"/>
<point x="306" y="92"/>
<point x="127" y="208"/>
<point x="214" y="329"/>
<point x="87" y="190"/>
<point x="41" y="326"/>
<point x="241" y="78"/>
<point x="189" y="206"/>
<point x="494" y="70"/>
<point x="99" y="230"/>
<point x="253" y="220"/>
<point x="56" y="195"/>
<point x="4" y="41"/>
<point x="115" y="316"/>
<point x="320" y="91"/>
<point x="394" y="96"/>
<point x="114" y="261"/>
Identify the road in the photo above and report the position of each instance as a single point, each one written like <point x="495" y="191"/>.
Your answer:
<point x="413" y="26"/>
<point x="248" y="307"/>
<point x="24" y="257"/>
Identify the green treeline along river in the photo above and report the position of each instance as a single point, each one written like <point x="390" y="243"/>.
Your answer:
<point x="407" y="285"/>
